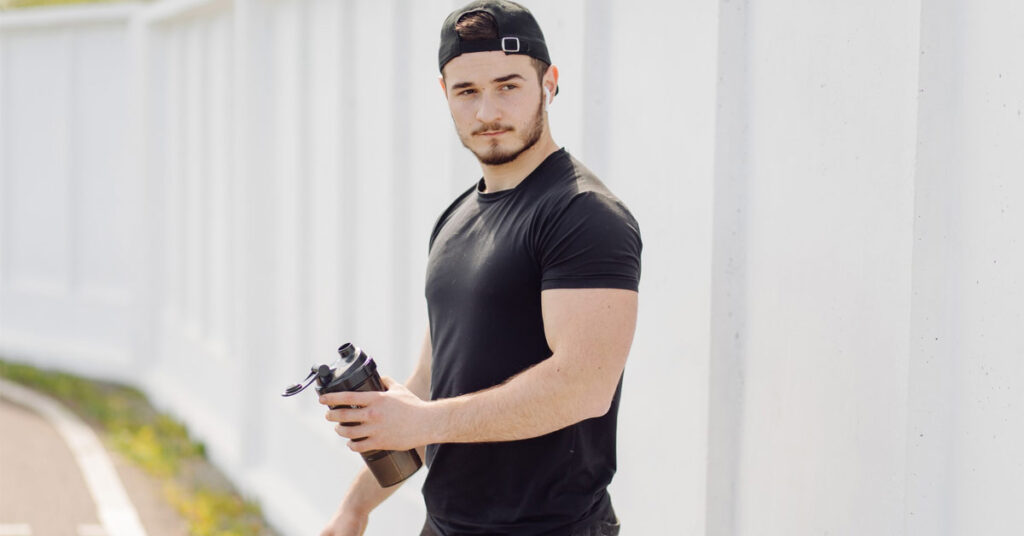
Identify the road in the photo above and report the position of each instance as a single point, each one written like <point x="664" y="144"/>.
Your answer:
<point x="44" y="492"/>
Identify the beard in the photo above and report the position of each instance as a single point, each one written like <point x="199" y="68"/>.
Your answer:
<point x="494" y="155"/>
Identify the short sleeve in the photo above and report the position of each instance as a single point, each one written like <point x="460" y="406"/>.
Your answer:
<point x="593" y="243"/>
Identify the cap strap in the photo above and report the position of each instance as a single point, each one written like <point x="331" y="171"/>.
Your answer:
<point x="508" y="44"/>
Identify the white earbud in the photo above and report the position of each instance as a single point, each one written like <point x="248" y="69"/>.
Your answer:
<point x="547" y="98"/>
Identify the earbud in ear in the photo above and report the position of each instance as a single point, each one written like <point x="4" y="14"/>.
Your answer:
<point x="547" y="97"/>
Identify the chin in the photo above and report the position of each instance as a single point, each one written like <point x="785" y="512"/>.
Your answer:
<point x="497" y="158"/>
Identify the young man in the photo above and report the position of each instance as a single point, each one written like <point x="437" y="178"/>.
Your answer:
<point x="531" y="292"/>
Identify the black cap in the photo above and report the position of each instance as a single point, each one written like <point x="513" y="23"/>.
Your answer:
<point x="518" y="32"/>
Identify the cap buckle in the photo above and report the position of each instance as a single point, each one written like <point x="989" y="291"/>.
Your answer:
<point x="505" y="41"/>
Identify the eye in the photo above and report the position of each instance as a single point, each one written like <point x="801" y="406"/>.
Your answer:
<point x="509" y="87"/>
<point x="466" y="92"/>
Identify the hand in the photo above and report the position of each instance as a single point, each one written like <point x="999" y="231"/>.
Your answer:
<point x="395" y="419"/>
<point x="346" y="523"/>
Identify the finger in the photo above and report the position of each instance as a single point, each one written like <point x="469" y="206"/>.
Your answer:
<point x="362" y="445"/>
<point x="348" y="398"/>
<point x="358" y="431"/>
<point x="359" y="415"/>
<point x="388" y="382"/>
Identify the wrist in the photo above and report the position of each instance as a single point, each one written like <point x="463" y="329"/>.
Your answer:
<point x="354" y="509"/>
<point x="356" y="505"/>
<point x="439" y="421"/>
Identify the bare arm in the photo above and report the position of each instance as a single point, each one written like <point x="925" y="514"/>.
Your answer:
<point x="365" y="493"/>
<point x="589" y="332"/>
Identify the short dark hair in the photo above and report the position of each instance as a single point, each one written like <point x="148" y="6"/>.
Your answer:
<point x="480" y="25"/>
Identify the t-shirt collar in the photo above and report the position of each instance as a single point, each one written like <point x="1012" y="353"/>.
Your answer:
<point x="494" y="196"/>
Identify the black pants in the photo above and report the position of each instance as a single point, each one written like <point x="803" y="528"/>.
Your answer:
<point x="606" y="524"/>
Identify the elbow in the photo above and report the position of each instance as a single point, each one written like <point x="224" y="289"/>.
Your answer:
<point x="599" y="411"/>
<point x="598" y="406"/>
<point x="597" y="399"/>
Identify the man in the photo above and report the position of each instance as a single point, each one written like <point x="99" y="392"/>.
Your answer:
<point x="531" y="292"/>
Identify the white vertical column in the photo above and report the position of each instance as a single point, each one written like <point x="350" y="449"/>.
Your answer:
<point x="174" y="252"/>
<point x="729" y="271"/>
<point x="933" y="390"/>
<point x="349" y="154"/>
<point x="966" y="420"/>
<point x="4" y="179"/>
<point x="194" y="178"/>
<point x="401" y="177"/>
<point x="257" y="267"/>
<point x="288" y="135"/>
<point x="373" y="205"/>
<point x="217" y="258"/>
<point x="323" y="90"/>
<point x="145" y="213"/>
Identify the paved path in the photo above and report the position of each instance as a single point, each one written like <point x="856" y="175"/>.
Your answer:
<point x="44" y="491"/>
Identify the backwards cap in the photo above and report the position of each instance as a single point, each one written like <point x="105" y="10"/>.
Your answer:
<point x="518" y="32"/>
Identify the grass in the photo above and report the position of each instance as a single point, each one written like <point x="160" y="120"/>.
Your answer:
<point x="155" y="442"/>
<point x="12" y="4"/>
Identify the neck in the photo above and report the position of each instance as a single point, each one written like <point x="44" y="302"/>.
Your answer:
<point x="507" y="176"/>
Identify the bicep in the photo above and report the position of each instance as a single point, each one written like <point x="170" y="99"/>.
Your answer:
<point x="590" y="330"/>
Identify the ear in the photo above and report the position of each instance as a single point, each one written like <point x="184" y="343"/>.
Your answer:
<point x="440" y="80"/>
<point x="550" y="81"/>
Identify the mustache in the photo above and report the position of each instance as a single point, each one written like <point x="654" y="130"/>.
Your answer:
<point x="491" y="127"/>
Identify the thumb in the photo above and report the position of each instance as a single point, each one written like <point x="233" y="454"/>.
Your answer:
<point x="388" y="382"/>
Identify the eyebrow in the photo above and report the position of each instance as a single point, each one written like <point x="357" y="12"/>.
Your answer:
<point x="498" y="80"/>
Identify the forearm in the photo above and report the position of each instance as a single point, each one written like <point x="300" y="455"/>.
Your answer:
<point x="365" y="494"/>
<point x="537" y="401"/>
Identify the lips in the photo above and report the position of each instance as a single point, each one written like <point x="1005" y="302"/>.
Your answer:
<point x="489" y="130"/>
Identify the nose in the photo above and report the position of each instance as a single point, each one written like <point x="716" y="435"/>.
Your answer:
<point x="488" y="111"/>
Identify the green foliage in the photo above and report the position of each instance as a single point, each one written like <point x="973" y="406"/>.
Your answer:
<point x="212" y="513"/>
<point x="105" y="405"/>
<point x="154" y="441"/>
<point x="8" y="4"/>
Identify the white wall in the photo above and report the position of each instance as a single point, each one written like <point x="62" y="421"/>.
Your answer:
<point x="205" y="197"/>
<point x="67" y="197"/>
<point x="821" y="299"/>
<point x="966" y="340"/>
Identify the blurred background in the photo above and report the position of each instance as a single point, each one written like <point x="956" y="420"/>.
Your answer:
<point x="202" y="198"/>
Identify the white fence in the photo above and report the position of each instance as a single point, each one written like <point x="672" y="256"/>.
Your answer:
<point x="204" y="197"/>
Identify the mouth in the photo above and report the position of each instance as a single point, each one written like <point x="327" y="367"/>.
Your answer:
<point x="491" y="133"/>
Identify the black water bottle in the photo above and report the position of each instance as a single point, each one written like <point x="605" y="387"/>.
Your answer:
<point x="389" y="466"/>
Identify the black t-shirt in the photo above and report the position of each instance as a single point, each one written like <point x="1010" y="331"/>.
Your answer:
<point x="491" y="255"/>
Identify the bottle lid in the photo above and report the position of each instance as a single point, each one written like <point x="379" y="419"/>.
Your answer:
<point x="361" y="368"/>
